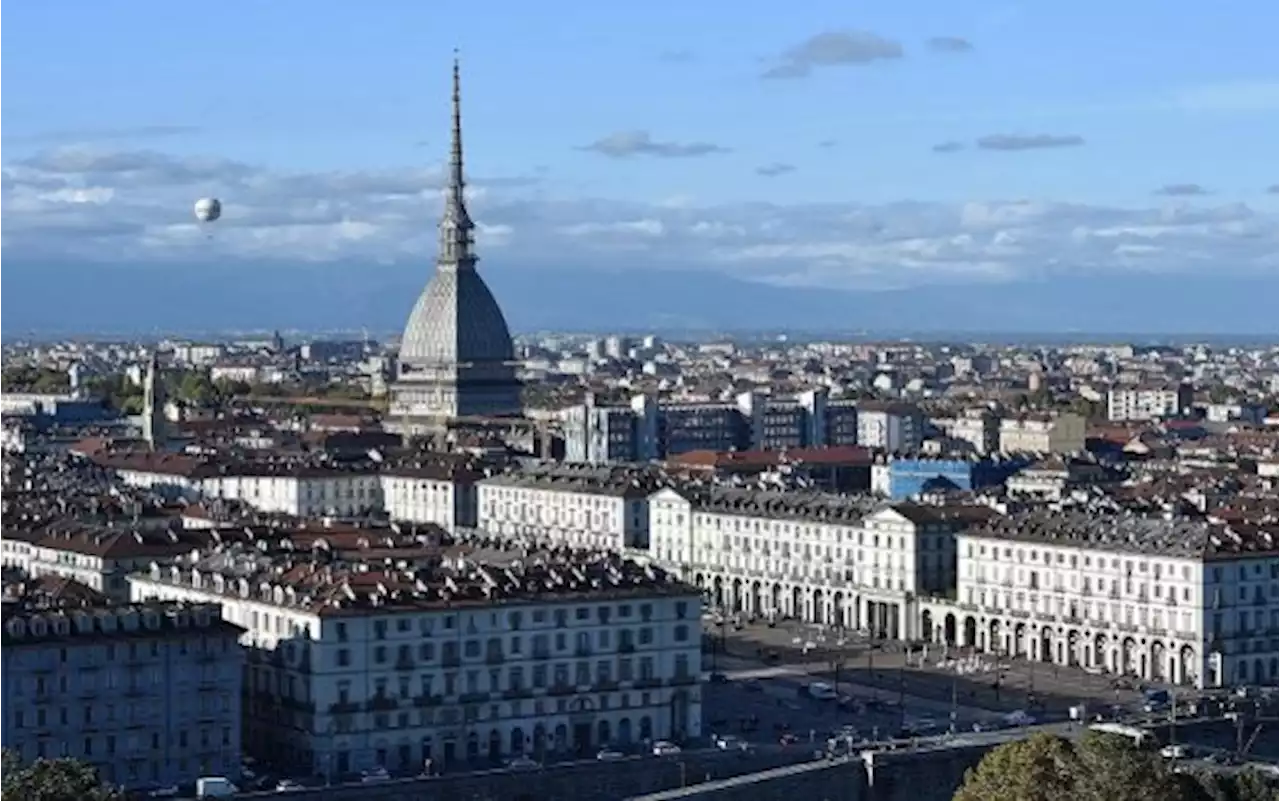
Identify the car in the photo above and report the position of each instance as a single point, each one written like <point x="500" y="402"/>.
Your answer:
<point x="821" y="691"/>
<point x="289" y="786"/>
<point x="523" y="763"/>
<point x="730" y="742"/>
<point x="1173" y="751"/>
<point x="664" y="748"/>
<point x="609" y="755"/>
<point x="164" y="792"/>
<point x="378" y="774"/>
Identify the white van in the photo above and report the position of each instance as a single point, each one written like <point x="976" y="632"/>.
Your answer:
<point x="821" y="691"/>
<point x="215" y="787"/>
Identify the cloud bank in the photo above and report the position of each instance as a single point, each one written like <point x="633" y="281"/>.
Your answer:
<point x="134" y="207"/>
<point x="833" y="49"/>
<point x="625" y="144"/>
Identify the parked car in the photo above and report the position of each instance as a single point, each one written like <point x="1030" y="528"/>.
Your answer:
<point x="664" y="748"/>
<point x="609" y="755"/>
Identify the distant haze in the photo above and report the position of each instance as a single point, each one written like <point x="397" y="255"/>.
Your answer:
<point x="124" y="299"/>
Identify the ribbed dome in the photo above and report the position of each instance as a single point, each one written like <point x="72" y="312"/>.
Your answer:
<point x="456" y="320"/>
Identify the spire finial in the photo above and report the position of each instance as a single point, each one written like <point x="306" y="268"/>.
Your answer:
<point x="456" y="225"/>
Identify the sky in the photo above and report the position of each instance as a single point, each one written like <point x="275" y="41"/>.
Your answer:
<point x="819" y="144"/>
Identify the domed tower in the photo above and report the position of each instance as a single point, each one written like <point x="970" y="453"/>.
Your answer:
<point x="456" y="357"/>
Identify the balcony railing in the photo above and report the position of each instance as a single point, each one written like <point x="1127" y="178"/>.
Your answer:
<point x="344" y="708"/>
<point x="381" y="703"/>
<point x="647" y="684"/>
<point x="560" y="688"/>
<point x="517" y="693"/>
<point x="542" y="653"/>
<point x="626" y="648"/>
<point x="451" y="660"/>
<point x="605" y="685"/>
<point x="682" y="679"/>
<point x="582" y="650"/>
<point x="494" y="658"/>
<point x="423" y="701"/>
<point x="473" y="698"/>
<point x="405" y="662"/>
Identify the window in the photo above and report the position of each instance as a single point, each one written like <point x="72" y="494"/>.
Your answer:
<point x="682" y="633"/>
<point x="343" y="657"/>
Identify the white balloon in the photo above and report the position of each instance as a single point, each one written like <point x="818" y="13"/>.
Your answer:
<point x="208" y="209"/>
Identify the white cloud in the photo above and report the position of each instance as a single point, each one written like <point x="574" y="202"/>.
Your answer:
<point x="132" y="206"/>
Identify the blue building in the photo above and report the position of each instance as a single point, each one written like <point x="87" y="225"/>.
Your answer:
<point x="147" y="693"/>
<point x="911" y="477"/>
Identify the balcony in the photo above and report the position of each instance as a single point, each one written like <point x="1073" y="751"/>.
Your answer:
<point x="344" y="708"/>
<point x="582" y="650"/>
<point x="683" y="680"/>
<point x="648" y="684"/>
<point x="298" y="704"/>
<point x="542" y="654"/>
<point x="626" y="648"/>
<point x="381" y="703"/>
<point x="561" y="688"/>
<point x="473" y="698"/>
<point x="516" y="693"/>
<point x="451" y="661"/>
<point x="494" y="658"/>
<point x="605" y="685"/>
<point x="404" y="662"/>
<point x="424" y="701"/>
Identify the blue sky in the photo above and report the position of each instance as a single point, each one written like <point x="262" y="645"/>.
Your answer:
<point x="355" y="85"/>
<point x="1158" y="113"/>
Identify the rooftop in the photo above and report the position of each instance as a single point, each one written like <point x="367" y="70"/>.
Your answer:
<point x="1124" y="531"/>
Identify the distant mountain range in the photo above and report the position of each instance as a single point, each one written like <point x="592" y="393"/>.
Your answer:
<point x="139" y="300"/>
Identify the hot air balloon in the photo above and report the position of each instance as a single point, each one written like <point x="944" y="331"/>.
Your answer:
<point x="208" y="209"/>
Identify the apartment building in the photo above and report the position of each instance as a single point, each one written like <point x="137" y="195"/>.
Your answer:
<point x="477" y="657"/>
<point x="1149" y="401"/>
<point x="98" y="556"/>
<point x="846" y="561"/>
<point x="441" y="492"/>
<point x="582" y="506"/>
<point x="1061" y="433"/>
<point x="1165" y="600"/>
<point x="645" y="429"/>
<point x="285" y="485"/>
<point x="147" y="693"/>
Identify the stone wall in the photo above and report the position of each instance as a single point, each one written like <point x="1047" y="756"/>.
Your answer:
<point x="931" y="775"/>
<point x="581" y="781"/>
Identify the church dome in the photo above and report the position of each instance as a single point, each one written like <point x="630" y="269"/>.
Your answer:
<point x="456" y="320"/>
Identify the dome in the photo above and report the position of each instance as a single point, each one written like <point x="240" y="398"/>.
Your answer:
<point x="456" y="320"/>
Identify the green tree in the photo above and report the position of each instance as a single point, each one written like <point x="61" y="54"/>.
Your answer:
<point x="1047" y="768"/>
<point x="54" y="780"/>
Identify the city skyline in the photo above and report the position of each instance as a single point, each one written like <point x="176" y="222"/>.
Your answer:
<point x="888" y="152"/>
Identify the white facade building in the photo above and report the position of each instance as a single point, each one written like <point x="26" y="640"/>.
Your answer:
<point x="582" y="506"/>
<point x="828" y="559"/>
<point x="1148" y="402"/>
<point x="364" y="666"/>
<point x="1177" y="601"/>
<point x="288" y="488"/>
<point x="1047" y="433"/>
<point x="894" y="427"/>
<point x="446" y="496"/>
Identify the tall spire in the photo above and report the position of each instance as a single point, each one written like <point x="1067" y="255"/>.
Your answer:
<point x="455" y="225"/>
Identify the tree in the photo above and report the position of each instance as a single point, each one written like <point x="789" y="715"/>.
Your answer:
<point x="54" y="780"/>
<point x="1098" y="767"/>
